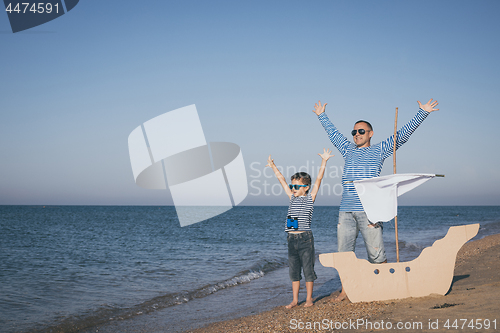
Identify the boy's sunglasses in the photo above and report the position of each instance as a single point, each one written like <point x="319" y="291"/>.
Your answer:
<point x="361" y="132"/>
<point x="296" y="186"/>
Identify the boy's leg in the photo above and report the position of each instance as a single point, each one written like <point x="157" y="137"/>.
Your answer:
<point x="308" y="257"/>
<point x="295" y="291"/>
<point x="309" y="299"/>
<point x="294" y="267"/>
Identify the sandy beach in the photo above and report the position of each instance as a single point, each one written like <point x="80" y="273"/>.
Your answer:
<point x="471" y="305"/>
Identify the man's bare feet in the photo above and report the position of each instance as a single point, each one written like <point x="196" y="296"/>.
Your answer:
<point x="340" y="297"/>
<point x="291" y="305"/>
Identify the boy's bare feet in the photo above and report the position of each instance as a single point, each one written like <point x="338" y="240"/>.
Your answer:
<point x="308" y="304"/>
<point x="291" y="305"/>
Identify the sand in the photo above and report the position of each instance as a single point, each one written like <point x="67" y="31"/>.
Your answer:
<point x="472" y="304"/>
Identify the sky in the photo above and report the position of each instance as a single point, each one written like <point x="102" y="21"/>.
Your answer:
<point x="73" y="89"/>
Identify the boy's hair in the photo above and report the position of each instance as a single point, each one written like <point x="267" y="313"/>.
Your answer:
<point x="304" y="178"/>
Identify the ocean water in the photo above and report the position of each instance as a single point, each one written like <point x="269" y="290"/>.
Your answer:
<point x="74" y="268"/>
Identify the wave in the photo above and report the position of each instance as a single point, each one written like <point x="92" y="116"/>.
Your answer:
<point x="410" y="246"/>
<point x="105" y="314"/>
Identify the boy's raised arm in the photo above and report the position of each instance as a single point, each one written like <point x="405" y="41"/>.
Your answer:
<point x="324" y="157"/>
<point x="281" y="178"/>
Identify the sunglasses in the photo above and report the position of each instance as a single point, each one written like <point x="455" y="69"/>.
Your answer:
<point x="360" y="131"/>
<point x="296" y="186"/>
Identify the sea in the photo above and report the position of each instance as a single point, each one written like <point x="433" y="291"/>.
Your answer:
<point x="107" y="268"/>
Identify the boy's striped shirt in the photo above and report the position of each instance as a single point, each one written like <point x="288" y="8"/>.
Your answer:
<point x="301" y="208"/>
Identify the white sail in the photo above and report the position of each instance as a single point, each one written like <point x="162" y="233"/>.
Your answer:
<point x="378" y="195"/>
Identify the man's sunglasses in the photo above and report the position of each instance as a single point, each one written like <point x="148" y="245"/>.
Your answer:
<point x="296" y="187"/>
<point x="360" y="131"/>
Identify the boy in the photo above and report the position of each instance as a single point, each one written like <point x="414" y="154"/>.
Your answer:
<point x="298" y="226"/>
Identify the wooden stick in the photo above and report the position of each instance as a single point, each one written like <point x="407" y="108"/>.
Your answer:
<point x="395" y="137"/>
<point x="394" y="169"/>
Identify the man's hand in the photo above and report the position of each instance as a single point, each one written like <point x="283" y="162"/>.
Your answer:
<point x="429" y="107"/>
<point x="318" y="108"/>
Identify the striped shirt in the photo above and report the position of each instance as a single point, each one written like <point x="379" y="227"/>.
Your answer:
<point x="301" y="208"/>
<point x="362" y="163"/>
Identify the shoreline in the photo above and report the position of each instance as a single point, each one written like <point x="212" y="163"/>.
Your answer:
<point x="471" y="304"/>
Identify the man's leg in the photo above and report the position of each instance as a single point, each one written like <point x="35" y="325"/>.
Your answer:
<point x="372" y="235"/>
<point x="347" y="232"/>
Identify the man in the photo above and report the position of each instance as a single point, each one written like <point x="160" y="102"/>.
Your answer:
<point x="362" y="160"/>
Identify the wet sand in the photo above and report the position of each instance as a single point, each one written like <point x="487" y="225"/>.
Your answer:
<point x="471" y="305"/>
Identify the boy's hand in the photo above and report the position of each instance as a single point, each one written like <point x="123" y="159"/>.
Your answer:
<point x="326" y="154"/>
<point x="270" y="162"/>
<point x="318" y="108"/>
<point x="429" y="106"/>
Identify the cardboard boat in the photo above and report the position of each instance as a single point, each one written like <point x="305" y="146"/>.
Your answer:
<point x="430" y="273"/>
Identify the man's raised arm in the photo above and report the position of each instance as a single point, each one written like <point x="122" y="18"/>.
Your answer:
<point x="429" y="106"/>
<point x="338" y="140"/>
<point x="319" y="109"/>
<point x="407" y="130"/>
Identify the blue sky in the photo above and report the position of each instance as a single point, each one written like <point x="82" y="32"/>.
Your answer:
<point x="74" y="88"/>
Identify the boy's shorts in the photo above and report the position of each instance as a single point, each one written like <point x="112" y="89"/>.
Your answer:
<point x="301" y="256"/>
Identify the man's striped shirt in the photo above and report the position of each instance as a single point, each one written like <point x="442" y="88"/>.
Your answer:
<point x="301" y="208"/>
<point x="362" y="163"/>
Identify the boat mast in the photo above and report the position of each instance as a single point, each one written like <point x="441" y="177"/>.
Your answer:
<point x="394" y="171"/>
